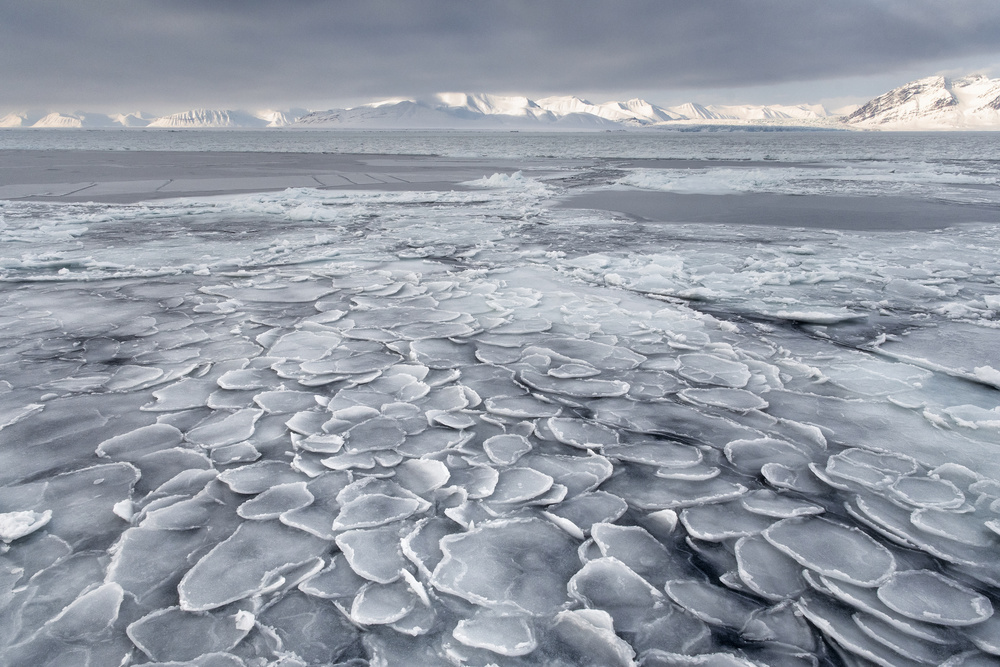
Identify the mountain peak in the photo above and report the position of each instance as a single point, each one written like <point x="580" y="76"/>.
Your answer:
<point x="934" y="102"/>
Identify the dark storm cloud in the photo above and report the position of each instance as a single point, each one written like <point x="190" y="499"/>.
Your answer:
<point x="154" y="52"/>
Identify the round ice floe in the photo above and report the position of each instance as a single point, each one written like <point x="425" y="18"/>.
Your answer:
<point x="374" y="553"/>
<point x="752" y="455"/>
<point x="336" y="581"/>
<point x="769" y="503"/>
<point x="582" y="434"/>
<point x="571" y="370"/>
<point x="245" y="378"/>
<point x="505" y="635"/>
<point x="737" y="400"/>
<point x="649" y="492"/>
<point x="15" y="525"/>
<point x="902" y="643"/>
<point x="513" y="564"/>
<point x="421" y="476"/>
<point x="888" y="462"/>
<point x="240" y="452"/>
<point x="379" y="604"/>
<point x="842" y="473"/>
<point x="794" y="479"/>
<point x="589" y="634"/>
<point x="134" y="444"/>
<point x="305" y="345"/>
<point x="320" y="443"/>
<point x="712" y="604"/>
<point x="516" y="485"/>
<point x="967" y="528"/>
<point x="245" y="563"/>
<point x="588" y="509"/>
<point x="184" y="515"/>
<point x="837" y="623"/>
<point x="660" y="453"/>
<point x="454" y="420"/>
<point x="285" y="401"/>
<point x="441" y="353"/>
<point x="928" y="596"/>
<point x="636" y="548"/>
<point x="575" y="388"/>
<point x="375" y="509"/>
<point x="833" y="550"/>
<point x="928" y="492"/>
<point x="986" y="635"/>
<point x="710" y="369"/>
<point x="767" y="571"/>
<point x="609" y="584"/>
<point x="276" y="500"/>
<point x="375" y="434"/>
<point x="235" y="428"/>
<point x="173" y="634"/>
<point x="722" y="521"/>
<point x="307" y="423"/>
<point x="477" y="481"/>
<point x="522" y="407"/>
<point x="89" y="616"/>
<point x="698" y="473"/>
<point x="506" y="449"/>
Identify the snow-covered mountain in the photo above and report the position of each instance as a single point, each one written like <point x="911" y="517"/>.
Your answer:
<point x="478" y="110"/>
<point x="225" y="118"/>
<point x="194" y="118"/>
<point x="454" y="110"/>
<point x="935" y="103"/>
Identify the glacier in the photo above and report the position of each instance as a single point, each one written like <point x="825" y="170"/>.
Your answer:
<point x="478" y="424"/>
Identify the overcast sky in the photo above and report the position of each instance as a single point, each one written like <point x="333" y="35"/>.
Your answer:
<point x="169" y="55"/>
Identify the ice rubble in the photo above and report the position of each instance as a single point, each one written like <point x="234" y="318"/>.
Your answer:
<point x="411" y="461"/>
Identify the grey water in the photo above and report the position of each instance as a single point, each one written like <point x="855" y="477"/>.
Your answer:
<point x="389" y="398"/>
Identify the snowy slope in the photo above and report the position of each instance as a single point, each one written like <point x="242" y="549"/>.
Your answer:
<point x="209" y="118"/>
<point x="768" y="112"/>
<point x="934" y="103"/>
<point x="454" y="110"/>
<point x="74" y="120"/>
<point x="632" y="112"/>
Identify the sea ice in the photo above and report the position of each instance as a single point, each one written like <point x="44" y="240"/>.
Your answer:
<point x="243" y="564"/>
<point x="519" y="565"/>
<point x="610" y="585"/>
<point x="715" y="605"/>
<point x="374" y="553"/>
<point x="381" y="604"/>
<point x="928" y="596"/>
<point x="376" y="509"/>
<point x="517" y="485"/>
<point x="834" y="550"/>
<point x="174" y="634"/>
<point x="276" y="500"/>
<point x="15" y="525"/>
<point x="88" y="616"/>
<point x="589" y="635"/>
<point x="710" y="369"/>
<point x="502" y="634"/>
<point x="767" y="571"/>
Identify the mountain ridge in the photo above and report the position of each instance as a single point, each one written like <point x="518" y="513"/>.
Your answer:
<point x="970" y="102"/>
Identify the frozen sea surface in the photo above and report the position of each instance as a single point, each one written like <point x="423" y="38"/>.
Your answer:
<point x="477" y="424"/>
